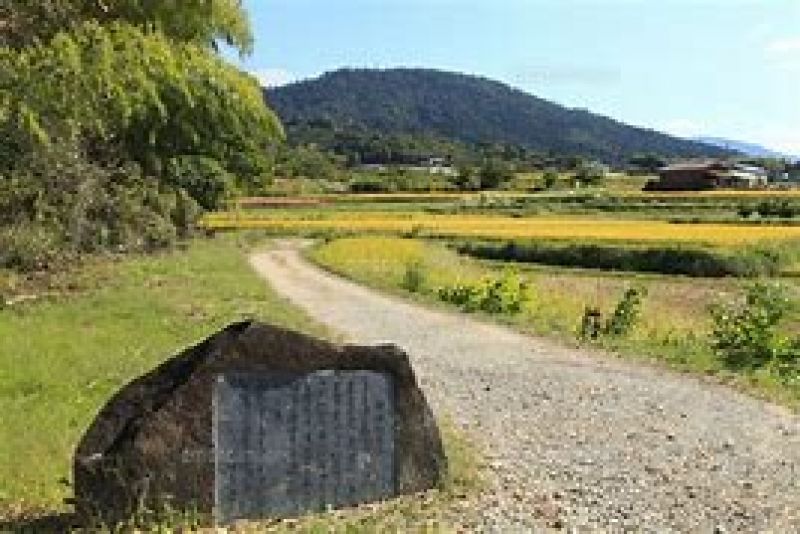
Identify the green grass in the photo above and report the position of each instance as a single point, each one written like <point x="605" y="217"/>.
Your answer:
<point x="63" y="357"/>
<point x="673" y="330"/>
<point x="107" y="322"/>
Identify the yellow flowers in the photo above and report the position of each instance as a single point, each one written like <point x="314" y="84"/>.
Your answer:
<point x="495" y="226"/>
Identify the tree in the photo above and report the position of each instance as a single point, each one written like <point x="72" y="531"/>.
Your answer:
<point x="203" y="22"/>
<point x="590" y="173"/>
<point x="465" y="179"/>
<point x="493" y="173"/>
<point x="649" y="163"/>
<point x="121" y="93"/>
<point x="550" y="179"/>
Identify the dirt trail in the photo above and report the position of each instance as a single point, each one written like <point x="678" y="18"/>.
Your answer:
<point x="572" y="440"/>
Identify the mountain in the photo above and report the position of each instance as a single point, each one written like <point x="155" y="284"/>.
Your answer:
<point x="468" y="109"/>
<point x="748" y="149"/>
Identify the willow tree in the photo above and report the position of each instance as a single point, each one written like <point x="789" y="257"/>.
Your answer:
<point x="103" y="86"/>
<point x="23" y="22"/>
<point x="127" y="92"/>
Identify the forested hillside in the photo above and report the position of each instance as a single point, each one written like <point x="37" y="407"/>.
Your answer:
<point x="462" y="108"/>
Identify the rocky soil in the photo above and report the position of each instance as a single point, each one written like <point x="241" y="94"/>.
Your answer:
<point x="572" y="440"/>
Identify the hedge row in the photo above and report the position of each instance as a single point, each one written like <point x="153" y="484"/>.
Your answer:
<point x="665" y="259"/>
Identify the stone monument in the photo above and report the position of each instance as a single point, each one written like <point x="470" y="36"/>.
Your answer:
<point x="260" y="422"/>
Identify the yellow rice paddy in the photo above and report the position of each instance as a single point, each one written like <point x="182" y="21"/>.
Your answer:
<point x="492" y="226"/>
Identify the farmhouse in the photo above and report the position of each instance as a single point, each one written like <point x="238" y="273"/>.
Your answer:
<point x="708" y="174"/>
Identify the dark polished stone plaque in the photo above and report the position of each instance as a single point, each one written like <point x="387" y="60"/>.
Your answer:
<point x="289" y="444"/>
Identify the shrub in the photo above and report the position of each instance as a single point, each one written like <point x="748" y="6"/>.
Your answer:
<point x="28" y="247"/>
<point x="620" y="323"/>
<point x="591" y="324"/>
<point x="413" y="277"/>
<point x="745" y="333"/>
<point x="57" y="203"/>
<point x="665" y="259"/>
<point x="776" y="208"/>
<point x="369" y="184"/>
<point x="627" y="313"/>
<point x="204" y="179"/>
<point x="550" y="179"/>
<point x="506" y="294"/>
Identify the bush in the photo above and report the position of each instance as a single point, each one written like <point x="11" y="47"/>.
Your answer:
<point x="745" y="333"/>
<point x="623" y="319"/>
<point x="667" y="259"/>
<point x="550" y="179"/>
<point x="506" y="294"/>
<point x="204" y="179"/>
<point x="627" y="313"/>
<point x="56" y="203"/>
<point x="774" y="208"/>
<point x="413" y="277"/>
<point x="369" y="184"/>
<point x="28" y="247"/>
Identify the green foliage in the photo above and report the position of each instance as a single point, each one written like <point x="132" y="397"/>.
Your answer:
<point x="506" y="294"/>
<point x="627" y="313"/>
<point x="126" y="94"/>
<point x="665" y="259"/>
<point x="462" y="109"/>
<point x="198" y="21"/>
<point x="550" y="179"/>
<point x="782" y="208"/>
<point x="57" y="201"/>
<point x="28" y="247"/>
<point x="590" y="174"/>
<point x="306" y="162"/>
<point x="591" y="324"/>
<point x="493" y="173"/>
<point x="413" y="277"/>
<point x="203" y="178"/>
<point x="746" y="332"/>
<point x="622" y="321"/>
<point x="466" y="179"/>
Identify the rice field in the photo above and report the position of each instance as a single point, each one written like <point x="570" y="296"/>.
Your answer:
<point x="503" y="227"/>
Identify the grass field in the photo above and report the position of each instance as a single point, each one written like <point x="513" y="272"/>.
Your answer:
<point x="62" y="357"/>
<point x="675" y="321"/>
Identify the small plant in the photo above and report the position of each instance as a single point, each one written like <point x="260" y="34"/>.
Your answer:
<point x="623" y="319"/>
<point x="591" y="324"/>
<point x="550" y="179"/>
<point x="506" y="294"/>
<point x="745" y="333"/>
<point x="413" y="277"/>
<point x="627" y="313"/>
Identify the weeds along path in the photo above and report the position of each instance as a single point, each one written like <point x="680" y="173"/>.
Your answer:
<point x="571" y="440"/>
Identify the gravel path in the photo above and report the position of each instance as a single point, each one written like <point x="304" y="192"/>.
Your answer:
<point x="573" y="441"/>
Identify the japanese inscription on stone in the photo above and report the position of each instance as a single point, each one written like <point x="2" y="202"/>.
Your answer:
<point x="288" y="444"/>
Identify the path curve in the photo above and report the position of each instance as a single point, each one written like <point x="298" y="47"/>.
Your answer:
<point x="574" y="441"/>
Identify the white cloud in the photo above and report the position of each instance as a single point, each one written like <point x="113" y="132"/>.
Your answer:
<point x="784" y="46"/>
<point x="787" y="141"/>
<point x="273" y="77"/>
<point x="683" y="128"/>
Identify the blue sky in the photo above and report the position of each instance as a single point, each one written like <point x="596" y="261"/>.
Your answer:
<point x="718" y="67"/>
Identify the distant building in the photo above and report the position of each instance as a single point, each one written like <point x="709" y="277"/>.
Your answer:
<point x="708" y="175"/>
<point x="424" y="165"/>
